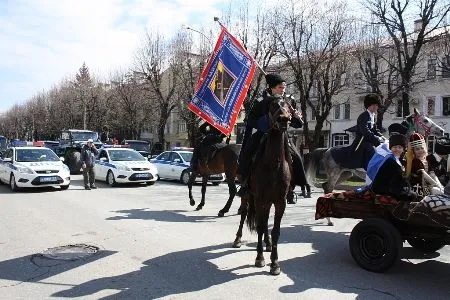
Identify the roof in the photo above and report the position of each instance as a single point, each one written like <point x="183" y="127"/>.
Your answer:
<point x="79" y="130"/>
<point x="137" y="141"/>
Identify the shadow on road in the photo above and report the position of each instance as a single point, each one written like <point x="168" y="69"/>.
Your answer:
<point x="4" y="189"/>
<point x="26" y="268"/>
<point x="161" y="216"/>
<point x="329" y="267"/>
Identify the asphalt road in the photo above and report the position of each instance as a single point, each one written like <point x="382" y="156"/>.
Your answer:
<point x="154" y="245"/>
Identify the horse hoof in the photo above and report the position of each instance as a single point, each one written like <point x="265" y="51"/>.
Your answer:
<point x="237" y="244"/>
<point x="330" y="223"/>
<point x="276" y="270"/>
<point x="221" y="214"/>
<point x="260" y="263"/>
<point x="192" y="202"/>
<point x="308" y="195"/>
<point x="268" y="248"/>
<point x="199" y="208"/>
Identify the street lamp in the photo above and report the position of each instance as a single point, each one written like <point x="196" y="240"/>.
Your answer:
<point x="184" y="26"/>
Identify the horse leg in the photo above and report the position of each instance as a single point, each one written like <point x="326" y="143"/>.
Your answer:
<point x="232" y="191"/>
<point x="237" y="242"/>
<point x="261" y="228"/>
<point x="204" y="183"/>
<point x="267" y="238"/>
<point x="275" y="266"/>
<point x="190" y="183"/>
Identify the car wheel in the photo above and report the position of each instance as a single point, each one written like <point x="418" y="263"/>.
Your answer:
<point x="185" y="177"/>
<point x="64" y="187"/>
<point x="150" y="182"/>
<point x="110" y="178"/>
<point x="12" y="183"/>
<point x="216" y="183"/>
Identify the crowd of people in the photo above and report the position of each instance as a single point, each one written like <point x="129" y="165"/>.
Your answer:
<point x="399" y="166"/>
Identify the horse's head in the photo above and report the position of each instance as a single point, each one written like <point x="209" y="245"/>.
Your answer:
<point x="422" y="124"/>
<point x="279" y="113"/>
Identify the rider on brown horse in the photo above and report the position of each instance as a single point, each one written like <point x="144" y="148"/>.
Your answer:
<point x="257" y="119"/>
<point x="206" y="144"/>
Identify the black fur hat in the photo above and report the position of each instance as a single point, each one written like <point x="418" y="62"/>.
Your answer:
<point x="370" y="99"/>
<point x="397" y="128"/>
<point x="397" y="139"/>
<point x="273" y="80"/>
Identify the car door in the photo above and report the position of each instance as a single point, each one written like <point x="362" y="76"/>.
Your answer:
<point x="100" y="167"/>
<point x="162" y="164"/>
<point x="176" y="165"/>
<point x="4" y="166"/>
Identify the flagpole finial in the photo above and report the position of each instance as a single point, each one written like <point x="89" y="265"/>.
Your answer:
<point x="216" y="19"/>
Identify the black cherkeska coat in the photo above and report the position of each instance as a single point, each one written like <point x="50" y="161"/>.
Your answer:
<point x="354" y="156"/>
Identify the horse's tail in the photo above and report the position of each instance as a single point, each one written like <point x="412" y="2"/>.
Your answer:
<point x="251" y="214"/>
<point x="313" y="162"/>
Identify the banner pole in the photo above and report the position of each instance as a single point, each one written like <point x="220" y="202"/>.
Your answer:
<point x="257" y="64"/>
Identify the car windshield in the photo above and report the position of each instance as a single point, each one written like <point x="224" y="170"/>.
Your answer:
<point x="84" y="136"/>
<point x="35" y="155"/>
<point x="2" y="142"/>
<point x="125" y="155"/>
<point x="187" y="156"/>
<point x="139" y="146"/>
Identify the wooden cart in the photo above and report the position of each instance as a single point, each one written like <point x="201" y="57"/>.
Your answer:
<point x="375" y="242"/>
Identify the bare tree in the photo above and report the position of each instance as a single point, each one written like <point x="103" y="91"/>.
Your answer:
<point x="154" y="65"/>
<point x="311" y="43"/>
<point x="393" y="15"/>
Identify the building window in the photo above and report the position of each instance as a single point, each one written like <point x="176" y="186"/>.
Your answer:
<point x="347" y="111"/>
<point x="446" y="106"/>
<point x="182" y="127"/>
<point x="340" y="139"/>
<point x="446" y="67"/>
<point x="431" y="74"/>
<point x="430" y="106"/>
<point x="337" y="112"/>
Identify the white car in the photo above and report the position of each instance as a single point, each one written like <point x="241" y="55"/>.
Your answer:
<point x="33" y="167"/>
<point x="175" y="165"/>
<point x="123" y="165"/>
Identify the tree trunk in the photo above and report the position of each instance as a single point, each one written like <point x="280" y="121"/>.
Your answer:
<point x="380" y="117"/>
<point x="405" y="103"/>
<point x="317" y="131"/>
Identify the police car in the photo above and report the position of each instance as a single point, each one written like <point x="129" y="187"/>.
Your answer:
<point x="175" y="165"/>
<point x="119" y="164"/>
<point x="26" y="164"/>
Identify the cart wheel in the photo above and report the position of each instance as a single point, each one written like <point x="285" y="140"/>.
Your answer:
<point x="426" y="245"/>
<point x="375" y="244"/>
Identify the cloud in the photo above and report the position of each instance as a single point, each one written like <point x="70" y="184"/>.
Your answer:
<point x="45" y="41"/>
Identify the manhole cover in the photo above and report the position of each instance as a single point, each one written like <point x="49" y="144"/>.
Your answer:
<point x="70" y="252"/>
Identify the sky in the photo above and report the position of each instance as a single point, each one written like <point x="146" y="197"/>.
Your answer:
<point x="44" y="41"/>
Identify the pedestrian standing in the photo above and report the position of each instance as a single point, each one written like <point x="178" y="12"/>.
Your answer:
<point x="88" y="153"/>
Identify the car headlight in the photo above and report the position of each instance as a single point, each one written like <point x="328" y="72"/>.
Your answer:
<point x="25" y="170"/>
<point x="123" y="168"/>
<point x="65" y="168"/>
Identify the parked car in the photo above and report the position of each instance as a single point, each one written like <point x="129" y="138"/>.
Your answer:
<point x="143" y="147"/>
<point x="116" y="164"/>
<point x="175" y="165"/>
<point x="30" y="166"/>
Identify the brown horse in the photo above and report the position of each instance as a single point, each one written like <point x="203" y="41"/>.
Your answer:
<point x="225" y="160"/>
<point x="269" y="181"/>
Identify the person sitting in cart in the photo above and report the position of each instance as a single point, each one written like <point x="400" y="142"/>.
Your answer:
<point x="385" y="172"/>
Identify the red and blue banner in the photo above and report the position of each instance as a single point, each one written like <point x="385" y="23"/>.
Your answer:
<point x="224" y="83"/>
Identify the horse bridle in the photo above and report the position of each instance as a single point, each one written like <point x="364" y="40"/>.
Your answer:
<point x="418" y="121"/>
<point x="273" y="122"/>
